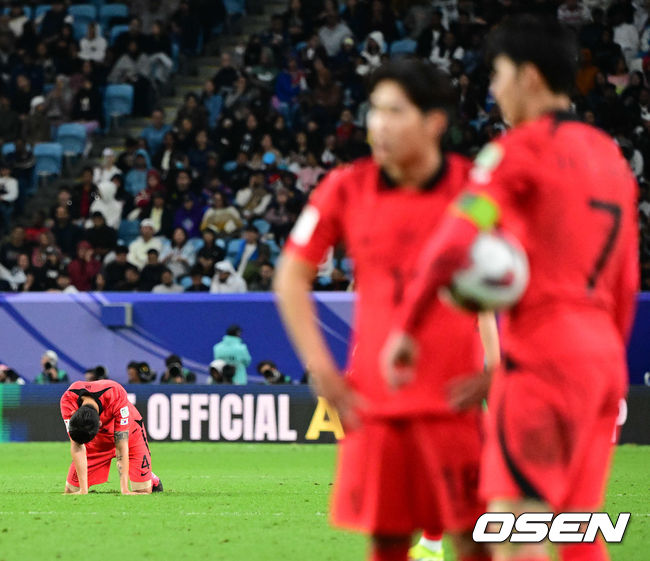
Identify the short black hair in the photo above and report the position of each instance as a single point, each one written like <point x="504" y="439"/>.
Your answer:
<point x="426" y="86"/>
<point x="540" y="41"/>
<point x="84" y="424"/>
<point x="234" y="331"/>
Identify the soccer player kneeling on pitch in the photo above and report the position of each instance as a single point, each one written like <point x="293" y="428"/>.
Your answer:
<point x="103" y="424"/>
<point x="409" y="459"/>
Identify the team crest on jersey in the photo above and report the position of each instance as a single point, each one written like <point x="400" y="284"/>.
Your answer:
<point x="124" y="421"/>
<point x="124" y="411"/>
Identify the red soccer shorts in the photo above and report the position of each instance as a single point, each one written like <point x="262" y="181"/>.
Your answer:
<point x="99" y="461"/>
<point x="396" y="476"/>
<point x="549" y="434"/>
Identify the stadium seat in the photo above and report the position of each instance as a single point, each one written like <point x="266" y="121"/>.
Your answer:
<point x="262" y="225"/>
<point x="275" y="250"/>
<point x="110" y="11"/>
<point x="72" y="137"/>
<point x="235" y="7"/>
<point x="233" y="249"/>
<point x="403" y="47"/>
<point x="40" y="10"/>
<point x="49" y="159"/>
<point x="79" y="29"/>
<point x="8" y="148"/>
<point x="118" y="101"/>
<point x="26" y="10"/>
<point x="86" y="12"/>
<point x="128" y="231"/>
<point x="115" y="32"/>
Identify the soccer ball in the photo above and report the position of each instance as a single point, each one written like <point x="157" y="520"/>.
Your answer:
<point x="495" y="276"/>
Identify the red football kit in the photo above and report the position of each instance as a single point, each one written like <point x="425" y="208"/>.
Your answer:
<point x="414" y="461"/>
<point x="565" y="190"/>
<point x="116" y="414"/>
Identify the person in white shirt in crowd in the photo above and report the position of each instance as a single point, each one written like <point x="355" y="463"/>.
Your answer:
<point x="143" y="243"/>
<point x="107" y="204"/>
<point x="93" y="45"/>
<point x="17" y="19"/>
<point x="333" y="32"/>
<point x="226" y="280"/>
<point x="626" y="36"/>
<point x="167" y="284"/>
<point x="254" y="199"/>
<point x="8" y="195"/>
<point x="445" y="51"/>
<point x="573" y="13"/>
<point x="180" y="255"/>
<point x="374" y="48"/>
<point x="107" y="169"/>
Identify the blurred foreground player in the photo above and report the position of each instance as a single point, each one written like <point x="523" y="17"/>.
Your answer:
<point x="409" y="460"/>
<point x="565" y="190"/>
<point x="102" y="424"/>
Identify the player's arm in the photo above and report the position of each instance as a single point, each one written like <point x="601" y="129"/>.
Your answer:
<point x="122" y="459"/>
<point x="292" y="285"/>
<point x="80" y="461"/>
<point x="489" y="333"/>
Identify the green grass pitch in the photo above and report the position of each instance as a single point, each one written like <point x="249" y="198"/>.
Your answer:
<point x="222" y="501"/>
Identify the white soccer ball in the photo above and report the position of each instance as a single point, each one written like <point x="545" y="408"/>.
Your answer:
<point x="496" y="275"/>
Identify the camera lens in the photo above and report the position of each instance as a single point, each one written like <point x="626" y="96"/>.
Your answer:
<point x="175" y="371"/>
<point x="48" y="365"/>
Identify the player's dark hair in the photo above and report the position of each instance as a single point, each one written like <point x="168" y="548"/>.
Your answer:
<point x="543" y="42"/>
<point x="84" y="424"/>
<point x="426" y="86"/>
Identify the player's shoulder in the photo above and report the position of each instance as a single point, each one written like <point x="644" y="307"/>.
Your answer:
<point x="457" y="164"/>
<point x="347" y="174"/>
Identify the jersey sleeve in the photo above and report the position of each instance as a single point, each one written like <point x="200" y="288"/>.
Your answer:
<point x="320" y="225"/>
<point x="120" y="410"/>
<point x="68" y="407"/>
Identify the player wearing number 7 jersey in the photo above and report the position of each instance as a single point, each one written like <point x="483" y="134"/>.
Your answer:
<point x="102" y="424"/>
<point x="565" y="190"/>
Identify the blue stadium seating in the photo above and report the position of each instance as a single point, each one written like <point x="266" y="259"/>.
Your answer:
<point x="72" y="137"/>
<point x="403" y="47"/>
<point x="118" y="101"/>
<point x="40" y="10"/>
<point x="26" y="10"/>
<point x="128" y="231"/>
<point x="234" y="7"/>
<point x="110" y="11"/>
<point x="86" y="12"/>
<point x="8" y="148"/>
<point x="262" y="225"/>
<point x="115" y="32"/>
<point x="49" y="159"/>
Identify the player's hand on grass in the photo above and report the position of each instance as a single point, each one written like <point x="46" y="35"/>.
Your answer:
<point x="468" y="391"/>
<point x="398" y="359"/>
<point x="334" y="388"/>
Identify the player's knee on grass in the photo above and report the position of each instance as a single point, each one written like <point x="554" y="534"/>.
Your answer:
<point x="143" y="487"/>
<point x="70" y="488"/>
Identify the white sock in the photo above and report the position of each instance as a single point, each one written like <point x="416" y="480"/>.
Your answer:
<point x="432" y="545"/>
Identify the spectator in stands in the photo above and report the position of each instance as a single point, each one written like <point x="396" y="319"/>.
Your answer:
<point x="272" y="375"/>
<point x="263" y="282"/>
<point x="226" y="280"/>
<point x="220" y="373"/>
<point x="36" y="126"/>
<point x="232" y="350"/>
<point x="189" y="216"/>
<point x="134" y="34"/>
<point x="160" y="214"/>
<point x="254" y="199"/>
<point x="58" y="102"/>
<point x="168" y="154"/>
<point x="159" y="49"/>
<point x="135" y="179"/>
<point x="93" y="46"/>
<point x="250" y="253"/>
<point x="167" y="284"/>
<point x="84" y="194"/>
<point x="100" y="236"/>
<point x="282" y="214"/>
<point x="84" y="267"/>
<point x="225" y="219"/>
<point x="210" y="246"/>
<point x="153" y="185"/>
<point x="333" y="32"/>
<point x="156" y="131"/>
<point x="383" y="19"/>
<point x="139" y="373"/>
<point x="192" y="110"/>
<point x="87" y="106"/>
<point x="53" y="20"/>
<point x="66" y="233"/>
<point x="50" y="372"/>
<point x="39" y="252"/>
<point x="10" y="125"/>
<point x="186" y="27"/>
<point x="8" y="195"/>
<point x="151" y="273"/>
<point x="64" y="283"/>
<point x="180" y="256"/>
<point x="225" y="77"/>
<point x="372" y="53"/>
<point x="131" y="281"/>
<point x="107" y="169"/>
<point x="140" y="247"/>
<point x="197" y="283"/>
<point x="114" y="272"/>
<point x="107" y="204"/>
<point x="133" y="68"/>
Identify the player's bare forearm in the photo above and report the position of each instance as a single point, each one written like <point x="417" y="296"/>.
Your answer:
<point x="122" y="459"/>
<point x="292" y="286"/>
<point x="489" y="333"/>
<point x="80" y="461"/>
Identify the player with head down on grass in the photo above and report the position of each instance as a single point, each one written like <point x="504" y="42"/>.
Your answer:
<point x="102" y="424"/>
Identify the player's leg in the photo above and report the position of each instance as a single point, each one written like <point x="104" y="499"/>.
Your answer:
<point x="389" y="548"/>
<point x="429" y="546"/>
<point x="140" y="474"/>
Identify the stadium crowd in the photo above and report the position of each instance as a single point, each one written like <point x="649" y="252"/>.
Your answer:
<point x="205" y="204"/>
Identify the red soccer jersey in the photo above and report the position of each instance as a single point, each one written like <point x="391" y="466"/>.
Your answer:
<point x="565" y="190"/>
<point x="115" y="411"/>
<point x="384" y="229"/>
